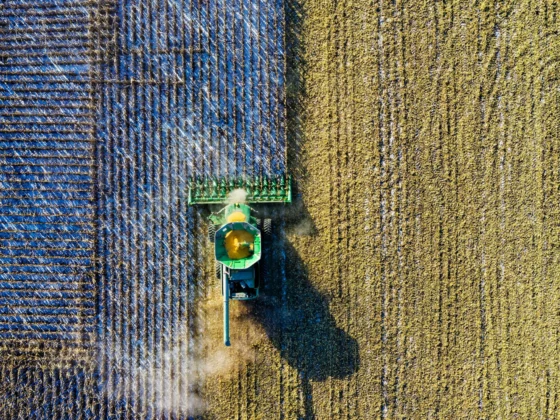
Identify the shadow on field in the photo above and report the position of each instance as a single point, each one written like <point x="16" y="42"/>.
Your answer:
<point x="296" y="318"/>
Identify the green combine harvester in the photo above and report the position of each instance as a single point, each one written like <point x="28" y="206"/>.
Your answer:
<point x="237" y="234"/>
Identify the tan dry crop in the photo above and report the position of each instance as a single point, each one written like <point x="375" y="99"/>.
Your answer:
<point x="424" y="141"/>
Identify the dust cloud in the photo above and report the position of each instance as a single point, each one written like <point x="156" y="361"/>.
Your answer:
<point x="238" y="195"/>
<point x="304" y="227"/>
<point x="180" y="375"/>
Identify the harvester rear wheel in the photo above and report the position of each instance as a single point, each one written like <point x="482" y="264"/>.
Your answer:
<point x="211" y="232"/>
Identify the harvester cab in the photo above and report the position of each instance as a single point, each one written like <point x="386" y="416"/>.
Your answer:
<point x="237" y="234"/>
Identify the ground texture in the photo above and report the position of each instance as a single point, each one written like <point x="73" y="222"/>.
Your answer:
<point x="416" y="274"/>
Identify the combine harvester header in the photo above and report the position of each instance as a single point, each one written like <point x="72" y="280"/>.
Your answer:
<point x="209" y="190"/>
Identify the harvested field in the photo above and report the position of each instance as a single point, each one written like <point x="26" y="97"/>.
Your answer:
<point x="428" y="164"/>
<point x="416" y="274"/>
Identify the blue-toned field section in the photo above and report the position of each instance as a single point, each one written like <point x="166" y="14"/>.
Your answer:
<point x="106" y="108"/>
<point x="47" y="151"/>
<point x="183" y="89"/>
<point x="47" y="210"/>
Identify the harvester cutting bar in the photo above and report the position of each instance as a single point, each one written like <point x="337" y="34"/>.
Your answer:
<point x="259" y="189"/>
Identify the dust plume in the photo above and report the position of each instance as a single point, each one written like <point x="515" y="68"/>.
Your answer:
<point x="221" y="361"/>
<point x="303" y="227"/>
<point x="175" y="381"/>
<point x="238" y="195"/>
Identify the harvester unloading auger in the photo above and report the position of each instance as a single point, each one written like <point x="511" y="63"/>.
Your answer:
<point x="236" y="233"/>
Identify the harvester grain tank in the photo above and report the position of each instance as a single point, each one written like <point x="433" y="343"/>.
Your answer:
<point x="237" y="234"/>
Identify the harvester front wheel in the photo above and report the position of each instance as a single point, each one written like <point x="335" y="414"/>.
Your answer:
<point x="218" y="269"/>
<point x="211" y="232"/>
<point x="267" y="228"/>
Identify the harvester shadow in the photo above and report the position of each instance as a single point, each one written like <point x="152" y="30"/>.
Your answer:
<point x="296" y="318"/>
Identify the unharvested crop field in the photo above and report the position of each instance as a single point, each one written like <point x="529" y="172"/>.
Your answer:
<point x="416" y="275"/>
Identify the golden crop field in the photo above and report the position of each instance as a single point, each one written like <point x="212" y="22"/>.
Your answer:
<point x="422" y="265"/>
